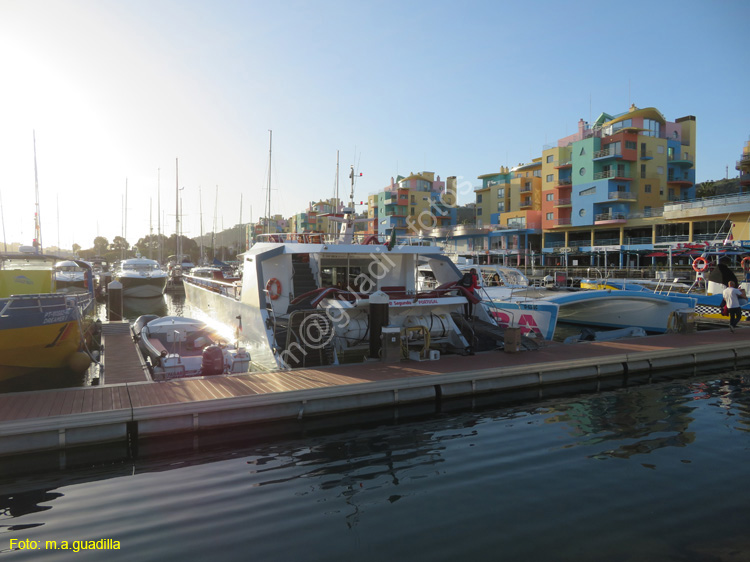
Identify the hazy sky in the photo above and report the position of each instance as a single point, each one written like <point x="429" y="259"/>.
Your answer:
<point x="117" y="91"/>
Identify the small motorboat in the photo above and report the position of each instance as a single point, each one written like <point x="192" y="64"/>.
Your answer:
<point x="177" y="347"/>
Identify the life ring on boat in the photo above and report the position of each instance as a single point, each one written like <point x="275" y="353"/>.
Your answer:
<point x="700" y="264"/>
<point x="745" y="264"/>
<point x="274" y="288"/>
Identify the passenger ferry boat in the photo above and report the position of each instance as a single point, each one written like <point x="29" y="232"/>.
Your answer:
<point x="317" y="299"/>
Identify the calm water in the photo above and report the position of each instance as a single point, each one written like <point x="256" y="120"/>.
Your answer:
<point x="655" y="472"/>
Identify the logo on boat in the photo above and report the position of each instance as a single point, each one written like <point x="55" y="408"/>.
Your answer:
<point x="526" y="322"/>
<point x="23" y="280"/>
<point x="54" y="316"/>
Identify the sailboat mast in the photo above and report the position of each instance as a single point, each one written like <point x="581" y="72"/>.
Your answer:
<point x="268" y="191"/>
<point x="178" y="249"/>
<point x="200" y="207"/>
<point x="150" y="227"/>
<point x="240" y="249"/>
<point x="2" y="218"/>
<point x="158" y="212"/>
<point x="37" y="215"/>
<point x="213" y="234"/>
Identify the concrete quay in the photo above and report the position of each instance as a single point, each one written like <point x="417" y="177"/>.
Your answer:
<point x="126" y="411"/>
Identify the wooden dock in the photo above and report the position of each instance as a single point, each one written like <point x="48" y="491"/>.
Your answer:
<point x="129" y="404"/>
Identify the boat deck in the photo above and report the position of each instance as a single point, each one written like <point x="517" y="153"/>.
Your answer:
<point x="128" y="403"/>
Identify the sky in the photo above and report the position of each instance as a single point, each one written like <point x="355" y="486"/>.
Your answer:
<point x="147" y="96"/>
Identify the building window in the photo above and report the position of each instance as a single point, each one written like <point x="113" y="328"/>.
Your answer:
<point x="632" y="145"/>
<point x="537" y="173"/>
<point x="589" y="191"/>
<point x="413" y="199"/>
<point x="479" y="211"/>
<point x="582" y="171"/>
<point x="550" y="159"/>
<point x="647" y="188"/>
<point x="660" y="170"/>
<point x="550" y="177"/>
<point x="582" y="213"/>
<point x="550" y="216"/>
<point x="479" y="197"/>
<point x="501" y="207"/>
<point x="550" y="197"/>
<point x="652" y="128"/>
<point x="583" y="151"/>
<point x="660" y="149"/>
<point x="643" y="170"/>
<point x="501" y="192"/>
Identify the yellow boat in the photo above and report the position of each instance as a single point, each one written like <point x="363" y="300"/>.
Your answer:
<point x="40" y="328"/>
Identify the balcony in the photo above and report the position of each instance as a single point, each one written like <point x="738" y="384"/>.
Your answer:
<point x="564" y="182"/>
<point x="562" y="221"/>
<point x="622" y="195"/>
<point x="606" y="153"/>
<point x="525" y="189"/>
<point x="611" y="174"/>
<point x="675" y="182"/>
<point x="647" y="155"/>
<point x="680" y="161"/>
<point x="561" y="202"/>
<point x="567" y="164"/>
<point x="610" y="218"/>
<point x="526" y="204"/>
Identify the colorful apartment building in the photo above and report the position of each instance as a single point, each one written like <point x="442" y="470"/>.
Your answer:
<point x="623" y="184"/>
<point x="743" y="166"/>
<point x="323" y="216"/>
<point x="412" y="205"/>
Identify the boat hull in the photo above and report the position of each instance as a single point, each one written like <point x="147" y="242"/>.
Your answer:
<point x="42" y="332"/>
<point x="535" y="318"/>
<point x="143" y="287"/>
<point x="621" y="309"/>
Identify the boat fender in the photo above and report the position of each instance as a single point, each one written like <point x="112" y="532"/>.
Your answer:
<point x="79" y="361"/>
<point x="274" y="288"/>
<point x="212" y="361"/>
<point x="700" y="264"/>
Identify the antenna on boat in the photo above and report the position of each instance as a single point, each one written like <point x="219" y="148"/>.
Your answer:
<point x="158" y="212"/>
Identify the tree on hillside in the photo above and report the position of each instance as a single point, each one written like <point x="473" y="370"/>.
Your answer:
<point x="705" y="189"/>
<point x="76" y="248"/>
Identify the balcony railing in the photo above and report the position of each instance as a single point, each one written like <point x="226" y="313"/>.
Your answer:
<point x="563" y="164"/>
<point x="564" y="182"/>
<point x="525" y="189"/>
<point x="611" y="174"/>
<point x="561" y="202"/>
<point x="647" y="155"/>
<point x="606" y="152"/>
<point x="610" y="217"/>
<point x="561" y="221"/>
<point x="621" y="195"/>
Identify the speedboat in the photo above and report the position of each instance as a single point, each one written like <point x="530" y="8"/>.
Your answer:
<point x="498" y="287"/>
<point x="177" y="347"/>
<point x="39" y="327"/>
<point x="141" y="277"/>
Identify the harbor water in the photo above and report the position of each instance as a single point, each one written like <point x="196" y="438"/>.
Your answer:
<point x="655" y="472"/>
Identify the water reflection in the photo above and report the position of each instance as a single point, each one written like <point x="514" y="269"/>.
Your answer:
<point x="395" y="486"/>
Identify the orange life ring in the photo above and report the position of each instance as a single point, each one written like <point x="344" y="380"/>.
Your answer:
<point x="274" y="288"/>
<point x="745" y="264"/>
<point x="700" y="264"/>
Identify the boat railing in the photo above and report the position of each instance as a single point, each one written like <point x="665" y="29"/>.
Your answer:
<point x="231" y="290"/>
<point x="41" y="302"/>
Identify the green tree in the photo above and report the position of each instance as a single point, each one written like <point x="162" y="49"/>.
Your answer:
<point x="100" y="245"/>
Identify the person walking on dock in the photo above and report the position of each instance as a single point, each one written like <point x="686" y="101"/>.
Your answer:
<point x="732" y="296"/>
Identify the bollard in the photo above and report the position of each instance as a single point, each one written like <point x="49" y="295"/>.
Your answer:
<point x="378" y="318"/>
<point x="114" y="301"/>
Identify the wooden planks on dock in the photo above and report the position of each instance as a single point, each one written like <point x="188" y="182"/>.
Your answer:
<point x="122" y="363"/>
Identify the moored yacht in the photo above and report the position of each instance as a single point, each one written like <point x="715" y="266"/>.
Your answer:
<point x="141" y="277"/>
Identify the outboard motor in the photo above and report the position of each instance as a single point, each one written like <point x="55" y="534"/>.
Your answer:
<point x="213" y="361"/>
